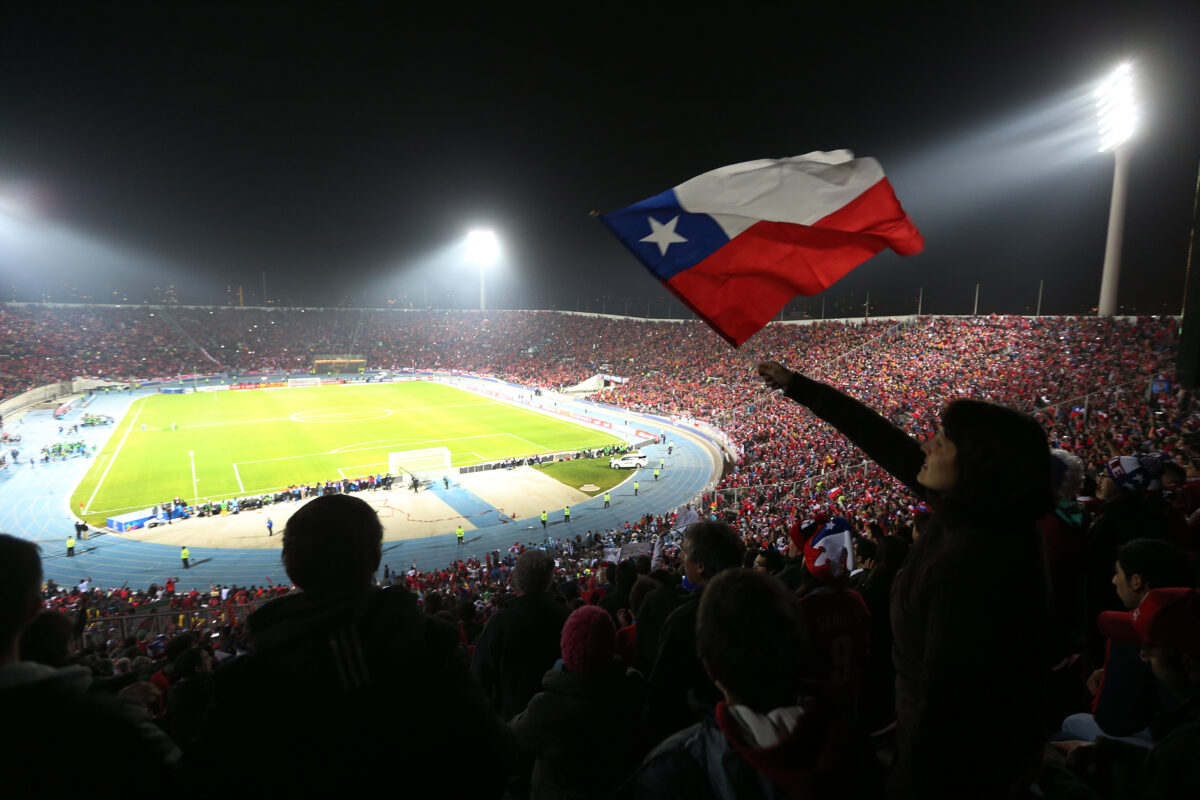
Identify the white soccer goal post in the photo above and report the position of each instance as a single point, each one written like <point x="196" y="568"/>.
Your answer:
<point x="430" y="463"/>
<point x="296" y="383"/>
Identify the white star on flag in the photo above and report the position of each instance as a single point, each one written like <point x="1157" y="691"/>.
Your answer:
<point x="663" y="235"/>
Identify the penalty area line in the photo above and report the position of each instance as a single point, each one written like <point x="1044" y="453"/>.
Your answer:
<point x="238" y="475"/>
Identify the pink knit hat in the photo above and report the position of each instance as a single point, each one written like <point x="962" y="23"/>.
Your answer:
<point x="589" y="640"/>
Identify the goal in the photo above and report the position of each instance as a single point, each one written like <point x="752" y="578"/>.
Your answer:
<point x="296" y="383"/>
<point x="430" y="463"/>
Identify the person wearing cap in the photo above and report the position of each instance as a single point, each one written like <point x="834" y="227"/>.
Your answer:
<point x="838" y="621"/>
<point x="1126" y="511"/>
<point x="986" y="475"/>
<point x="1166" y="627"/>
<point x="1127" y="695"/>
<point x="590" y="760"/>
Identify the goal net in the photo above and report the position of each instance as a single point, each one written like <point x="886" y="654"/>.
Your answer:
<point x="295" y="383"/>
<point x="428" y="464"/>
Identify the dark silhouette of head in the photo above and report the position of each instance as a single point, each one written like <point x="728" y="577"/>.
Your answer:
<point x="751" y="638"/>
<point x="332" y="545"/>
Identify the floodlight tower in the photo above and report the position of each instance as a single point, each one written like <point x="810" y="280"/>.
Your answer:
<point x="1118" y="121"/>
<point x="482" y="249"/>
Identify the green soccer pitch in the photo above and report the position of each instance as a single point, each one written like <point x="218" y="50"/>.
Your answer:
<point x="252" y="442"/>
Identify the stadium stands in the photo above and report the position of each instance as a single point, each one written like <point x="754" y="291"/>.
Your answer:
<point x="1101" y="387"/>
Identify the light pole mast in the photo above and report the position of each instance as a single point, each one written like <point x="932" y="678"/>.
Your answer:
<point x="1118" y="120"/>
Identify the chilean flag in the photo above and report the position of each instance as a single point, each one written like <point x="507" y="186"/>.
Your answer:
<point x="736" y="244"/>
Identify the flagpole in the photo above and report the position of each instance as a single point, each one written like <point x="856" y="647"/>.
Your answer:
<point x="975" y="310"/>
<point x="1041" y="283"/>
<point x="920" y="299"/>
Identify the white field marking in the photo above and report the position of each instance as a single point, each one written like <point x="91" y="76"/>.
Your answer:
<point x="378" y="442"/>
<point x="339" y="414"/>
<point x="439" y="408"/>
<point x="353" y="449"/>
<point x="526" y="441"/>
<point x="88" y="508"/>
<point x="236" y="422"/>
<point x="543" y="414"/>
<point x="292" y="417"/>
<point x="238" y="475"/>
<point x="98" y="464"/>
<point x="268" y="489"/>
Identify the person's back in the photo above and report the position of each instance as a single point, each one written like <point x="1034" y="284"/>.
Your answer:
<point x="41" y="703"/>
<point x="580" y="725"/>
<point x="521" y="641"/>
<point x="345" y="677"/>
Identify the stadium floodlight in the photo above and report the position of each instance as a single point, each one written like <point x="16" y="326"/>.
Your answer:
<point x="1116" y="108"/>
<point x="483" y="249"/>
<point x="1118" y="120"/>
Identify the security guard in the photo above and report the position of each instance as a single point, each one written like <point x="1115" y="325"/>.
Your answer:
<point x="655" y="473"/>
<point x="607" y="498"/>
<point x="460" y="533"/>
<point x="635" y="488"/>
<point x="543" y="520"/>
<point x="567" y="514"/>
<point x="70" y="546"/>
<point x="185" y="555"/>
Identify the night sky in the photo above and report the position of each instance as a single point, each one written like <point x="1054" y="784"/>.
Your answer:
<point x="345" y="154"/>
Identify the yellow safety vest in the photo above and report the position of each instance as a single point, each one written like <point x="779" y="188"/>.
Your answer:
<point x="184" y="553"/>
<point x="71" y="541"/>
<point x="543" y="516"/>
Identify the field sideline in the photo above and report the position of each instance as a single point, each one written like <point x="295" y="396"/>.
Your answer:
<point x="253" y="442"/>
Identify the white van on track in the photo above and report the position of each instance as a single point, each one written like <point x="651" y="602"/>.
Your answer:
<point x="629" y="461"/>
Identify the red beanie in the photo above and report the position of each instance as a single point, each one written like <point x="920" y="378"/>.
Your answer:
<point x="589" y="640"/>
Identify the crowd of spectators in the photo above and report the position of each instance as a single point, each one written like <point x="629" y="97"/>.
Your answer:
<point x="692" y="670"/>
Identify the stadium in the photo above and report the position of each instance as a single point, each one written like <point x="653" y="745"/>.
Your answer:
<point x="600" y="406"/>
<point x="207" y="438"/>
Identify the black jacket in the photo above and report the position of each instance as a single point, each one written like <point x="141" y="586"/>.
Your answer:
<point x="581" y="753"/>
<point x="340" y="688"/>
<point x="969" y="614"/>
<point x="517" y="646"/>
